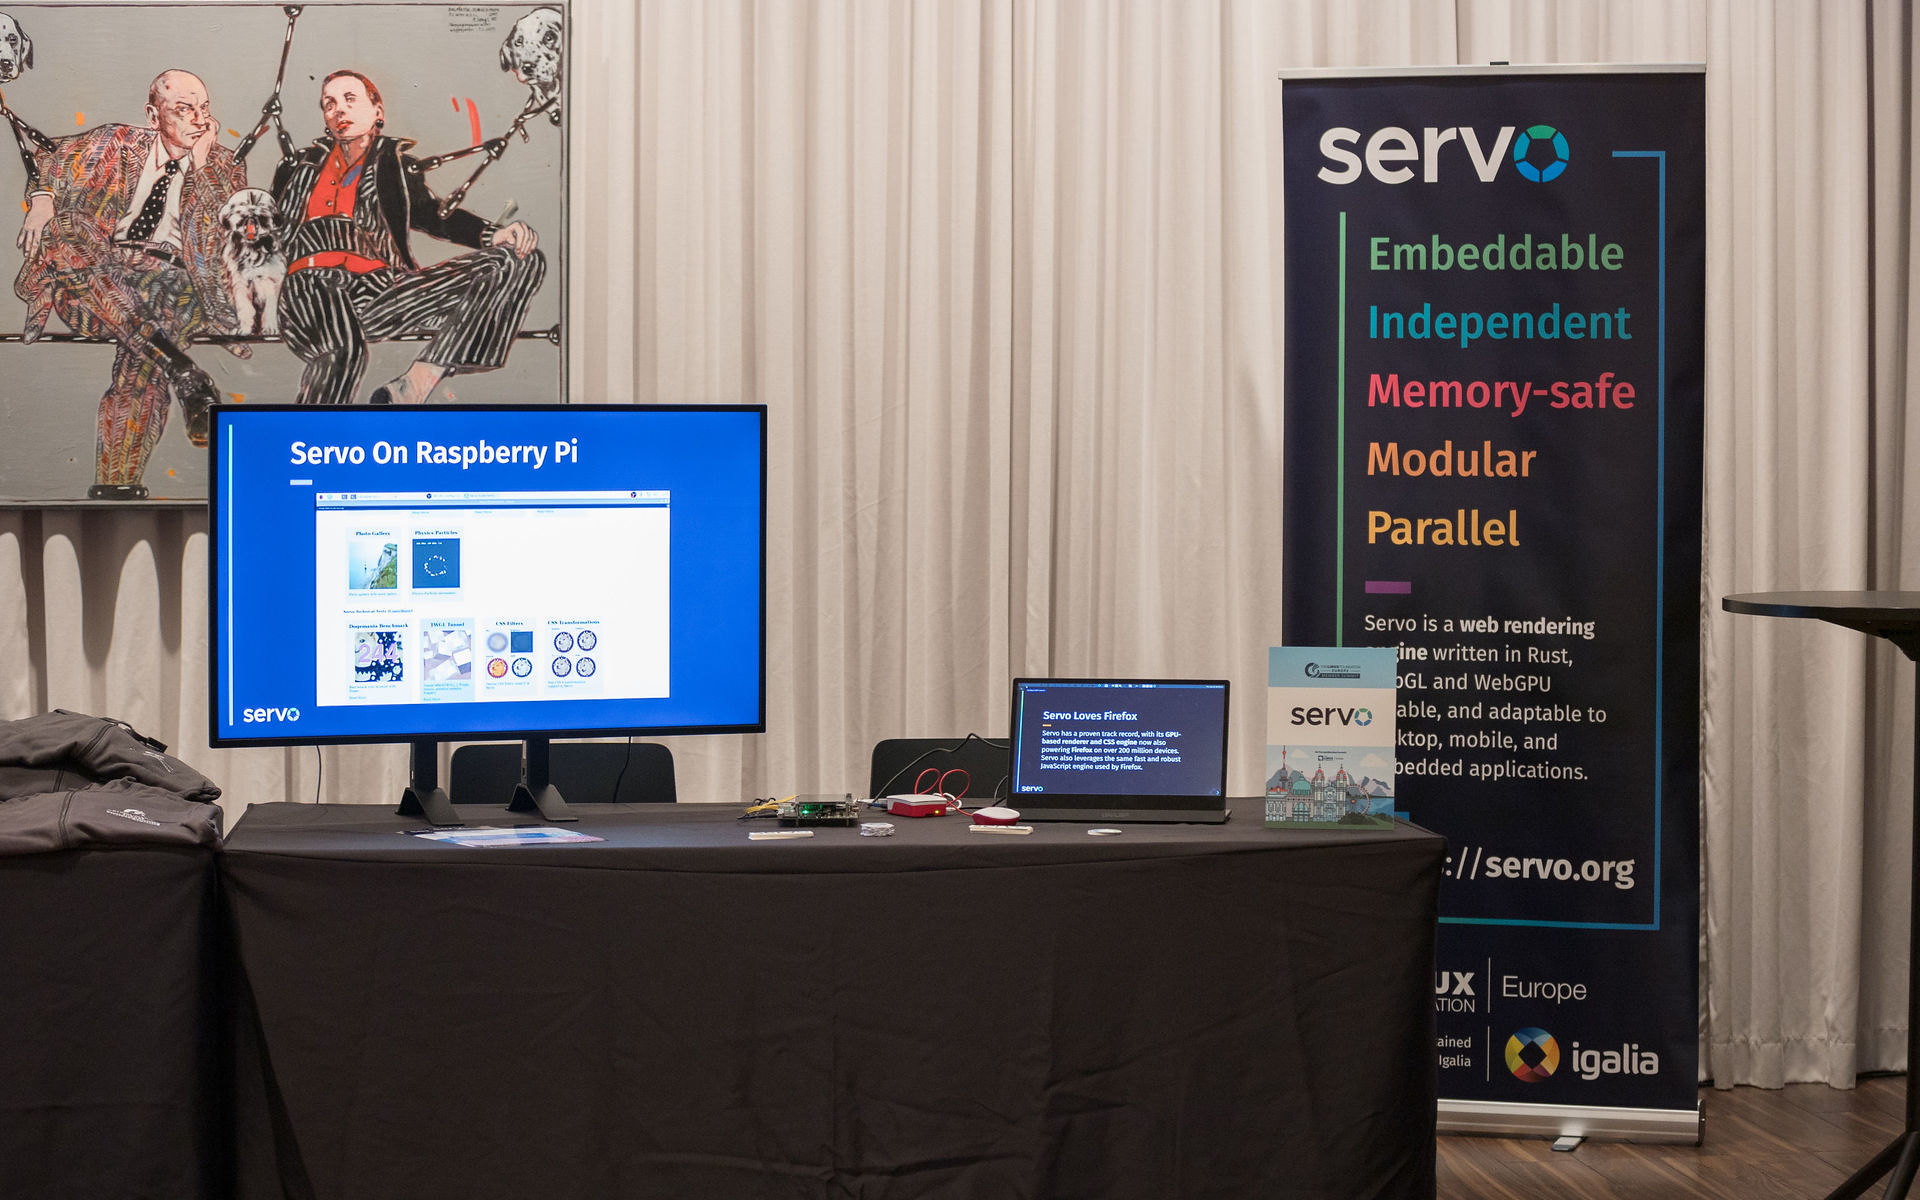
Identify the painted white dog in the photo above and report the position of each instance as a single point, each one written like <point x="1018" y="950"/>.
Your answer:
<point x="532" y="52"/>
<point x="16" y="49"/>
<point x="254" y="252"/>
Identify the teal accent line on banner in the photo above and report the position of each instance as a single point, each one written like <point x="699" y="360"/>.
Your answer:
<point x="1340" y="450"/>
<point x="1544" y="924"/>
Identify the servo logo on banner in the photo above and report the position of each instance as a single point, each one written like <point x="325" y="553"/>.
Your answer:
<point x="1540" y="153"/>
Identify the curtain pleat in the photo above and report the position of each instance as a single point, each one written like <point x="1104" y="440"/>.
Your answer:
<point x="1007" y="273"/>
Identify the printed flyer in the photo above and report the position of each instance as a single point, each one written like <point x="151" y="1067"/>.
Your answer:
<point x="1330" y="735"/>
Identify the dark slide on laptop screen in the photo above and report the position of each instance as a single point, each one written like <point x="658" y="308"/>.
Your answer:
<point x="1119" y="749"/>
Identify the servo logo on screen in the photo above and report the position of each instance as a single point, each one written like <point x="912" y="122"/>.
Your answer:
<point x="1539" y="153"/>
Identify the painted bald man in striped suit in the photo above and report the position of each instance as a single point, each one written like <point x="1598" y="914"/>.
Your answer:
<point x="351" y="201"/>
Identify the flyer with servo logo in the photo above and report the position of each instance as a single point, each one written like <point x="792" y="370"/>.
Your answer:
<point x="1330" y="737"/>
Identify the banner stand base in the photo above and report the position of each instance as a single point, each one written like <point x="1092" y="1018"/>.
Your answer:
<point x="1683" y="1126"/>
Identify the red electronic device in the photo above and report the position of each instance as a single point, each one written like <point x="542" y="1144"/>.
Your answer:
<point x="918" y="806"/>
<point x="931" y="797"/>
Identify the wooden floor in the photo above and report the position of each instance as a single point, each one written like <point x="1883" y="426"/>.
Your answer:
<point x="1800" y="1141"/>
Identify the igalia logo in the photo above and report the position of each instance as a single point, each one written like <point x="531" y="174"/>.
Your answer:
<point x="1532" y="1055"/>
<point x="1629" y="1059"/>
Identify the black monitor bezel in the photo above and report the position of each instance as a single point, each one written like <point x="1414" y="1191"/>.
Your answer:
<point x="1091" y="806"/>
<point x="217" y="741"/>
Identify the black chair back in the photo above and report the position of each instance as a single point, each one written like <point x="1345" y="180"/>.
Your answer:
<point x="585" y="772"/>
<point x="898" y="764"/>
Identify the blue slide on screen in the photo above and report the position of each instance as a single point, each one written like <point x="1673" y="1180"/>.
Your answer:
<point x="382" y="574"/>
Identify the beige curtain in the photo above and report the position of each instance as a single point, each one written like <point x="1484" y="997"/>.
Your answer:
<point x="1808" y="768"/>
<point x="1007" y="274"/>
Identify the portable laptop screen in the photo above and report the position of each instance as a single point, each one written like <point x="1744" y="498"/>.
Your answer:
<point x="1119" y="749"/>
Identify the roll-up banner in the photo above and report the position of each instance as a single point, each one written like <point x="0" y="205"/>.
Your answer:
<point x="1495" y="294"/>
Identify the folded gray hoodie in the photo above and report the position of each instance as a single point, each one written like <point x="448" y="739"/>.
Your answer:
<point x="69" y="781"/>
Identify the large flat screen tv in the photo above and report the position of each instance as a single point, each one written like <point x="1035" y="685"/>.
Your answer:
<point x="454" y="572"/>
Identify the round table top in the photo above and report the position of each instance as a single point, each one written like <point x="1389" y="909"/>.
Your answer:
<point x="1828" y="606"/>
<point x="1891" y="615"/>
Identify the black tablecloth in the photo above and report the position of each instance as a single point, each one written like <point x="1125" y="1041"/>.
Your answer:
<point x="1179" y="1011"/>
<point x="109" y="1068"/>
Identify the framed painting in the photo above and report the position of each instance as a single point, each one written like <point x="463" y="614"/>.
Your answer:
<point x="339" y="203"/>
